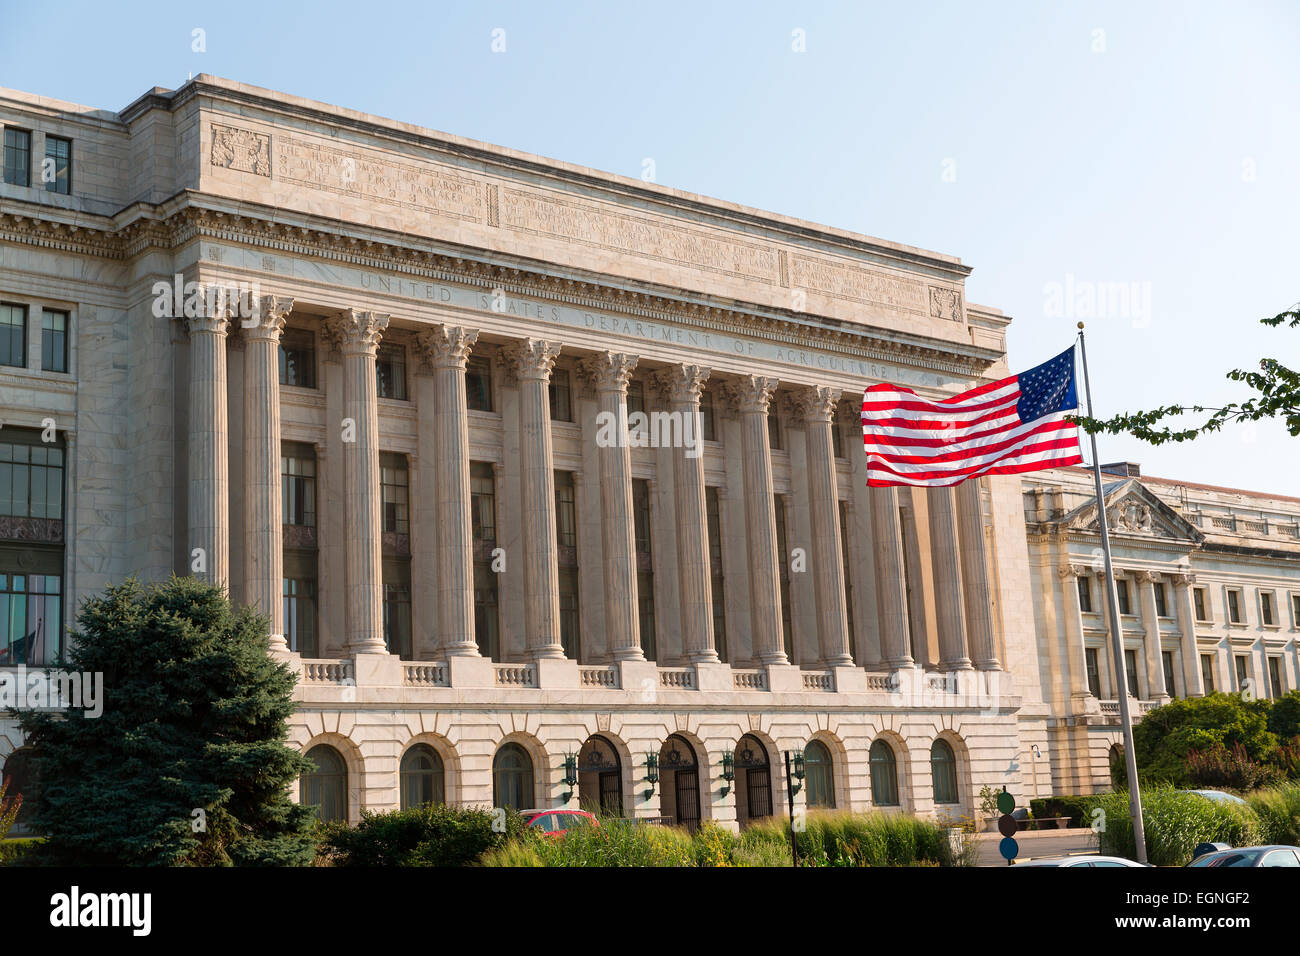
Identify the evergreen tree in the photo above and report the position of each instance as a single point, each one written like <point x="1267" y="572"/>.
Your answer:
<point x="194" y="719"/>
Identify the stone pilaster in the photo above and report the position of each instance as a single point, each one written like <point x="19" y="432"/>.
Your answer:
<point x="1156" y="689"/>
<point x="445" y="349"/>
<point x="817" y="408"/>
<point x="751" y="395"/>
<point x="357" y="335"/>
<point x="891" y="583"/>
<point x="681" y="385"/>
<point x="975" y="577"/>
<point x="264" y="523"/>
<point x="945" y="559"/>
<point x="1194" y="682"/>
<point x="209" y="461"/>
<point x="1081" y="699"/>
<point x="530" y="363"/>
<point x="608" y="374"/>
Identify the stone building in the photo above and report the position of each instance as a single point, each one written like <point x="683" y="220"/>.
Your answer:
<point x="1208" y="587"/>
<point x="547" y="479"/>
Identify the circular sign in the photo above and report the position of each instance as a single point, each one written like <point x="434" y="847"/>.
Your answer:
<point x="1008" y="825"/>
<point x="1006" y="802"/>
<point x="1009" y="849"/>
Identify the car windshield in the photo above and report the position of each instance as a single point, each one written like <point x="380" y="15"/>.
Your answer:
<point x="1226" y="859"/>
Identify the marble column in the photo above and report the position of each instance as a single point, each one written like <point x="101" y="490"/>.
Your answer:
<point x="816" y="406"/>
<point x="891" y="583"/>
<point x="1146" y="582"/>
<point x="681" y="385"/>
<point x="357" y="335"/>
<point x="608" y="374"/>
<point x="1192" y="677"/>
<point x="751" y="395"/>
<point x="264" y="524"/>
<point x="446" y="350"/>
<point x="975" y="577"/>
<point x="209" y="461"/>
<point x="530" y="363"/>
<point x="945" y="560"/>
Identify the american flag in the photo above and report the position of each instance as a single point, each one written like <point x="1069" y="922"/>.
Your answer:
<point x="1000" y="428"/>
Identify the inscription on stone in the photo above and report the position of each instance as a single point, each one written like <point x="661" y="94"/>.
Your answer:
<point x="857" y="285"/>
<point x="241" y="149"/>
<point x="415" y="187"/>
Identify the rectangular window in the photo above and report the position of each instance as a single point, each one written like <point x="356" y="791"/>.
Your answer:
<point x="641" y="520"/>
<point x="637" y="425"/>
<point x="645" y="600"/>
<point x="483" y="502"/>
<point x="713" y="517"/>
<point x="390" y="372"/>
<point x="54" y="341"/>
<point x="848" y="573"/>
<point x="570" y="620"/>
<point x="566" y="510"/>
<point x="394" y="484"/>
<point x="1167" y="664"/>
<point x="1201" y="603"/>
<point x="1275" y="677"/>
<point x="58" y="173"/>
<point x="837" y="437"/>
<point x="1207" y="672"/>
<point x="774" y="439"/>
<point x="1242" y="665"/>
<point x="783" y="562"/>
<point x="561" y="392"/>
<point x="486" y="624"/>
<point x="1234" y="606"/>
<point x="31" y="476"/>
<point x="300" y="602"/>
<point x="397" y="606"/>
<point x="13" y="335"/>
<point x="1121" y="589"/>
<point x="1162" y="607"/>
<point x="1295" y="611"/>
<point x="1093" y="666"/>
<point x="708" y="417"/>
<point x="478" y="383"/>
<point x="1131" y="671"/>
<point x="298" y="358"/>
<point x="18" y="157"/>
<point x="1266" y="608"/>
<point x="30" y="613"/>
<point x="1085" y="594"/>
<point x="641" y="514"/>
<point x="298" y="484"/>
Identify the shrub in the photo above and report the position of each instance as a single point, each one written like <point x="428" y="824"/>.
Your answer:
<point x="1174" y="824"/>
<point x="14" y="852"/>
<point x="1284" y="716"/>
<point x="1077" y="808"/>
<point x="1167" y="734"/>
<point x="714" y="846"/>
<point x="419" y="836"/>
<point x="1219" y="766"/>
<point x="1278" y="811"/>
<point x="9" y="807"/>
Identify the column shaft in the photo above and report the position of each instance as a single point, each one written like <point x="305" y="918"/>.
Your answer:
<point x="975" y="576"/>
<point x="209" y="461"/>
<point x="891" y="584"/>
<point x="949" y="595"/>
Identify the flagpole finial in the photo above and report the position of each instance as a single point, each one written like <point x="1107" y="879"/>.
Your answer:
<point x="1080" y="326"/>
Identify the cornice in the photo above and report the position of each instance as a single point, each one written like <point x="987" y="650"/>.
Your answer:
<point x="182" y="219"/>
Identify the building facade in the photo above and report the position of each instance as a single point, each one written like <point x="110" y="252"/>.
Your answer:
<point x="1208" y="589"/>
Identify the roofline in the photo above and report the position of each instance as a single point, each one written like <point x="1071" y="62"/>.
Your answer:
<point x="1189" y="484"/>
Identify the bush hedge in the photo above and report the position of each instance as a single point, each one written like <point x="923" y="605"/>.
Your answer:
<point x="12" y="852"/>
<point x="420" y="836"/>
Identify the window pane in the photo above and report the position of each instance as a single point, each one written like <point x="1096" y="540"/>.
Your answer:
<point x="58" y="173"/>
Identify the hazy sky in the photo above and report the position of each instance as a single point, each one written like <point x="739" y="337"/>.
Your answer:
<point x="1141" y="156"/>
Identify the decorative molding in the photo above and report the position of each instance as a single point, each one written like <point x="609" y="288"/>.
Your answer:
<point x="241" y="149"/>
<point x="945" y="303"/>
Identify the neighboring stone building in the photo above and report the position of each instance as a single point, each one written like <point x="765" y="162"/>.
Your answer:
<point x="1208" y="584"/>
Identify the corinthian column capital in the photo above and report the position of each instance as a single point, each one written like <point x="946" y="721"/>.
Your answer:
<point x="355" y="332"/>
<point x="751" y="393"/>
<point x="681" y="384"/>
<point x="815" y="403"/>
<point x="530" y="360"/>
<point x="268" y="322"/>
<point x="445" y="346"/>
<point x="218" y="323"/>
<point x="607" y="371"/>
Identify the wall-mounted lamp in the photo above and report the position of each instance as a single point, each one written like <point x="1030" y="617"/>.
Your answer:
<point x="728" y="770"/>
<point x="651" y="773"/>
<point x="570" y="774"/>
<point x="797" y="771"/>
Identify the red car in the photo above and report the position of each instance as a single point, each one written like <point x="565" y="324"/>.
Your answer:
<point x="558" y="822"/>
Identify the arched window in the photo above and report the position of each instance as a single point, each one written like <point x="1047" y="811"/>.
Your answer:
<point x="512" y="778"/>
<point x="21" y="774"/>
<point x="422" y="777"/>
<point x="326" y="787"/>
<point x="884" y="775"/>
<point x="819" y="775"/>
<point x="943" y="768"/>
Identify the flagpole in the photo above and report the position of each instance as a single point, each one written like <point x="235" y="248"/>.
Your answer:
<point x="1116" y="635"/>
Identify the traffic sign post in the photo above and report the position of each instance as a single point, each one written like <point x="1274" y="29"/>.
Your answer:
<point x="1007" y="826"/>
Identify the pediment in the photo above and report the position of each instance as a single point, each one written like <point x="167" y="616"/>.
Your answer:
<point x="1133" y="510"/>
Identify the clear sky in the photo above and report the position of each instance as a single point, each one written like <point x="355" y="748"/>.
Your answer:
<point x="1067" y="152"/>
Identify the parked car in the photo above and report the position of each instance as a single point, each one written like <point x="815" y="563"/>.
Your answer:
<point x="556" y="822"/>
<point x="1090" y="859"/>
<point x="1274" y="855"/>
<point x="1218" y="796"/>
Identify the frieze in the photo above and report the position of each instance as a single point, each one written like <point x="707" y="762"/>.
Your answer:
<point x="945" y="303"/>
<point x="844" y="281"/>
<point x="241" y="149"/>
